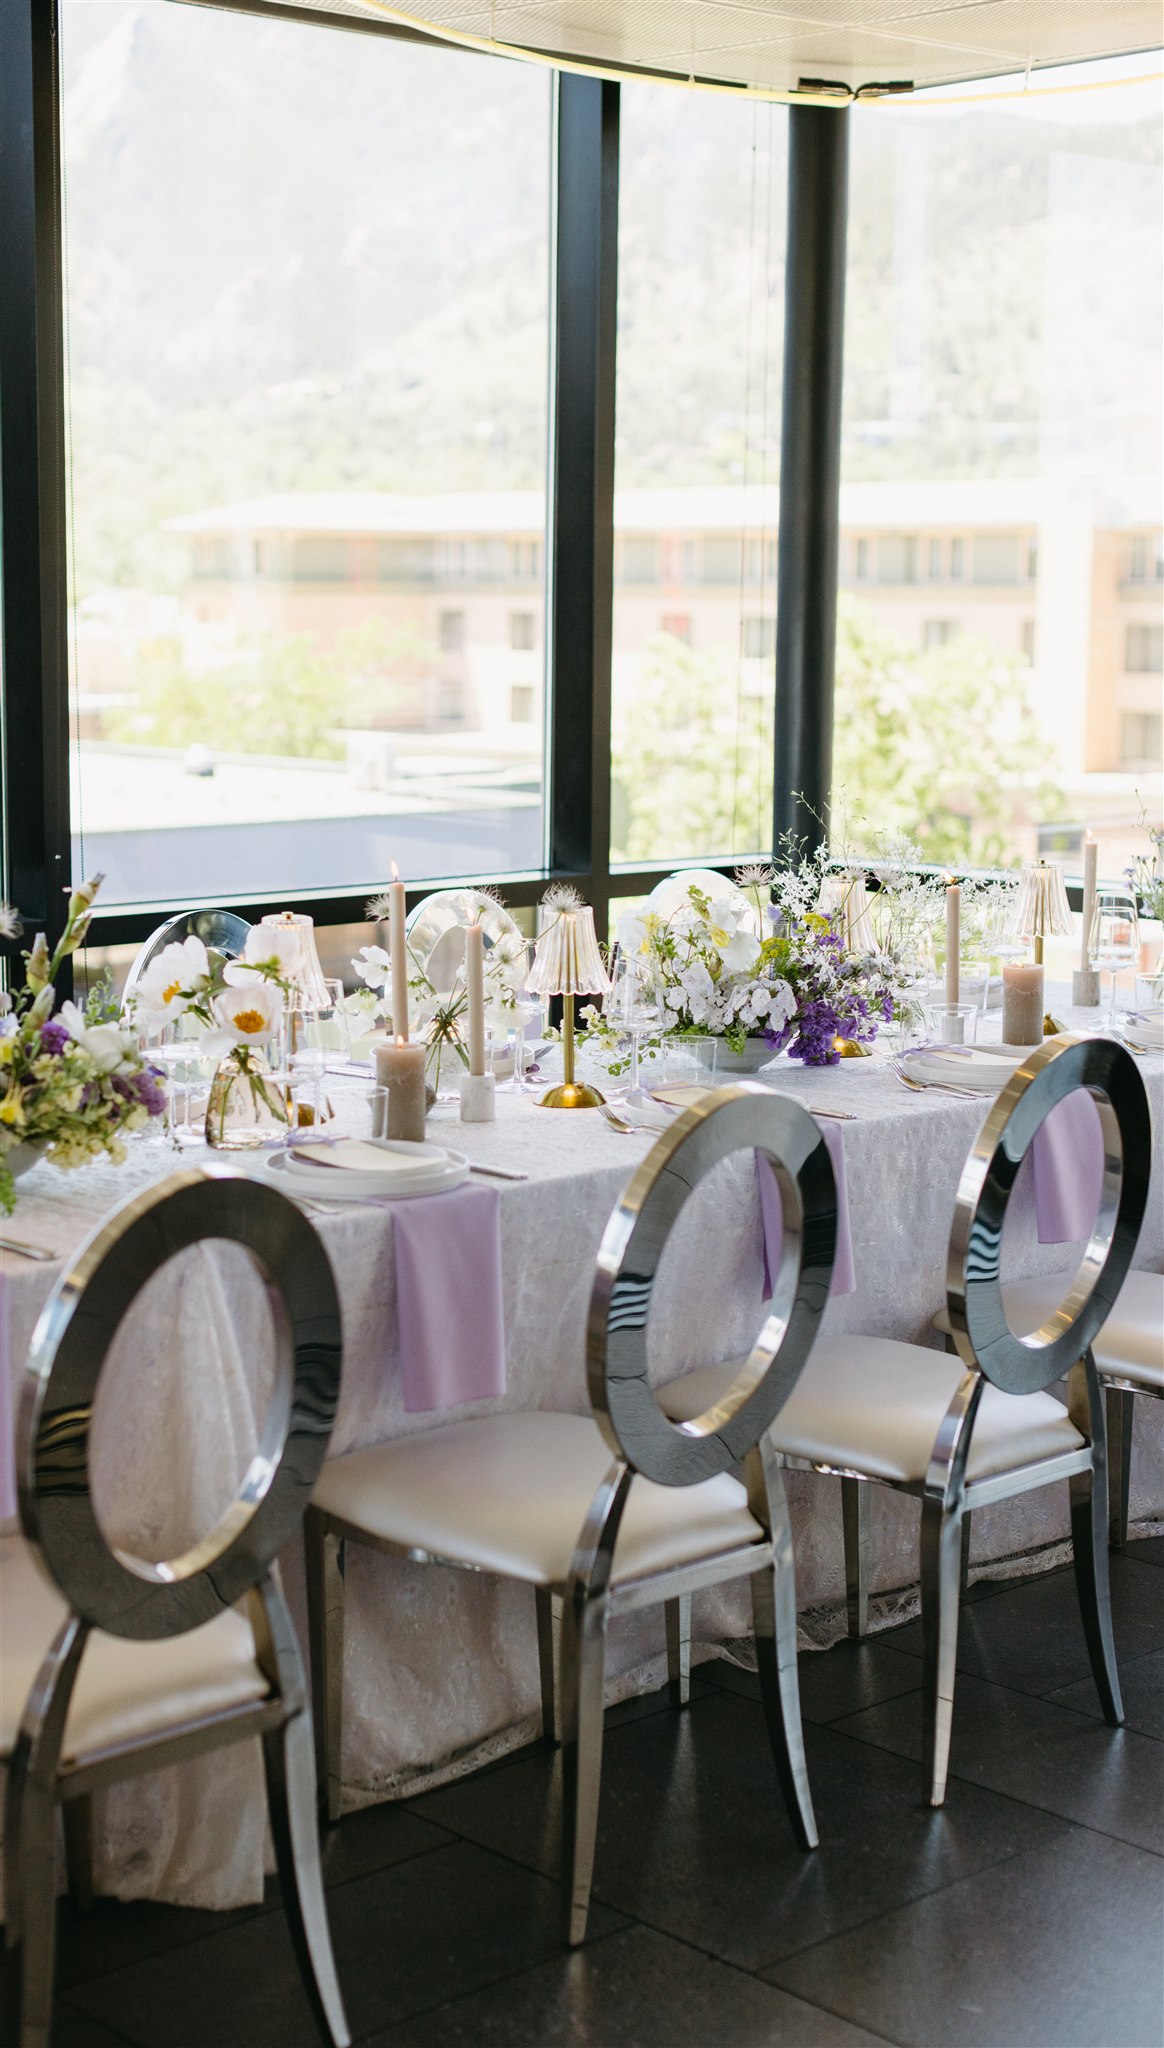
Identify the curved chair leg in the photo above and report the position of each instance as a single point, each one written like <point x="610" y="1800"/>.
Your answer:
<point x="582" y="1677"/>
<point x="30" y="1837"/>
<point x="549" y="1615"/>
<point x="291" y="1800"/>
<point x="1089" y="1544"/>
<point x="856" y="1509"/>
<point x="324" y="1567"/>
<point x="774" y="1620"/>
<point x="964" y="1561"/>
<point x="941" y="1574"/>
<point x="677" y="1614"/>
<point x="77" y="1816"/>
<point x="1121" y="1410"/>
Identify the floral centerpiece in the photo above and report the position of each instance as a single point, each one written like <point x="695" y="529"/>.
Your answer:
<point x="760" y="962"/>
<point x="232" y="1010"/>
<point x="1146" y="880"/>
<point x="441" y="1014"/>
<point x="72" y="1085"/>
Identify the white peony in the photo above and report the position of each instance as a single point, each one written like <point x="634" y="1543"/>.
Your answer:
<point x="277" y="946"/>
<point x="170" y="982"/>
<point x="250" y="1014"/>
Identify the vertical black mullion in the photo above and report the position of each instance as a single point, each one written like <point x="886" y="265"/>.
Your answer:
<point x="582" y="473"/>
<point x="810" y="469"/>
<point x="32" y="469"/>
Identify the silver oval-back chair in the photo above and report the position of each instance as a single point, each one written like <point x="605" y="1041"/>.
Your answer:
<point x="620" y="1509"/>
<point x="124" y="1665"/>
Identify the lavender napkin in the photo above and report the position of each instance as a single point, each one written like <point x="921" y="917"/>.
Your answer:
<point x="1067" y="1170"/>
<point x="448" y="1296"/>
<point x="844" y="1278"/>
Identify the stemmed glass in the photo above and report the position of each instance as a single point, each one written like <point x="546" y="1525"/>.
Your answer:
<point x="1113" y="944"/>
<point x="632" y="1007"/>
<point x="531" y="1009"/>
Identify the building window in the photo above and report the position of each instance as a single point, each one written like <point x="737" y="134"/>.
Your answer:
<point x="996" y="558"/>
<point x="522" y="703"/>
<point x="453" y="561"/>
<point x="677" y="625"/>
<point x="759" y="638"/>
<point x="1141" y="738"/>
<point x="760" y="561"/>
<point x="897" y="558"/>
<point x="523" y="628"/>
<point x="935" y="561"/>
<point x="639" y="559"/>
<point x="939" y="632"/>
<point x="721" y="560"/>
<point x="526" y="561"/>
<point x="317" y="559"/>
<point x="1032" y="560"/>
<point x="861" y="561"/>
<point x="451" y="632"/>
<point x="1144" y="650"/>
<point x="1028" y="640"/>
<point x="957" y="560"/>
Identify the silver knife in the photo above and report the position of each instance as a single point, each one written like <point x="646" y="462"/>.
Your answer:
<point x="29" y="1251"/>
<point x="498" y="1172"/>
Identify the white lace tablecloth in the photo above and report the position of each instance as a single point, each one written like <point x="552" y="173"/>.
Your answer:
<point x="441" y="1666"/>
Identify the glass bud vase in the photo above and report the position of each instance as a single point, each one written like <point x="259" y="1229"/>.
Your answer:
<point x="248" y="1105"/>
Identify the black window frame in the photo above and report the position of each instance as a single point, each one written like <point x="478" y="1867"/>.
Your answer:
<point x="35" y="721"/>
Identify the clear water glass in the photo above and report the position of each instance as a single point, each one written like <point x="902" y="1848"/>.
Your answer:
<point x="632" y="1008"/>
<point x="531" y="1011"/>
<point x="1113" y="945"/>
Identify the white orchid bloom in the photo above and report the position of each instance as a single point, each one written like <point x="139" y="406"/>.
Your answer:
<point x="171" y="981"/>
<point x="249" y="1013"/>
<point x="373" y="965"/>
<point x="111" y="1050"/>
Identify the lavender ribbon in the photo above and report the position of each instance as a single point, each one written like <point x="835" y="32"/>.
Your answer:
<point x="448" y="1297"/>
<point x="844" y="1278"/>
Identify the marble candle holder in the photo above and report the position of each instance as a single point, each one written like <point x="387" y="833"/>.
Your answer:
<point x="478" y="1098"/>
<point x="1085" y="988"/>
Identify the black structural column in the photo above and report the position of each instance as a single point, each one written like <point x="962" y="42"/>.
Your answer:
<point x="582" y="480"/>
<point x="32" y="473"/>
<point x="810" y="468"/>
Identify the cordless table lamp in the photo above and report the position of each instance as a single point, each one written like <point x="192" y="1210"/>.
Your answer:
<point x="568" y="963"/>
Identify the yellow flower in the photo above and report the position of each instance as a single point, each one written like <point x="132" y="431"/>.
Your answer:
<point x="12" y="1110"/>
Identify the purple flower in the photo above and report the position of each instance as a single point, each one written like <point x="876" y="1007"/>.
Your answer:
<point x="53" y="1038"/>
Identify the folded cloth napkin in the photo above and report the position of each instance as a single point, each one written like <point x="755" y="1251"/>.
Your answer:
<point x="448" y="1297"/>
<point x="844" y="1278"/>
<point x="1067" y="1170"/>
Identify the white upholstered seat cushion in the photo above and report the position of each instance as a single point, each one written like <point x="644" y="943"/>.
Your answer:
<point x="1130" y="1345"/>
<point x="125" y="1691"/>
<point x="874" y="1405"/>
<point x="509" y="1494"/>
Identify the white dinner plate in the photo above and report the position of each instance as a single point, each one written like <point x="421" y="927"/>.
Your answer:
<point x="985" y="1069"/>
<point x="447" y="1169"/>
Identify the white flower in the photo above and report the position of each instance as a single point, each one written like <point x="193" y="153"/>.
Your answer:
<point x="632" y="932"/>
<point x="277" y="946"/>
<point x="179" y="972"/>
<point x="739" y="955"/>
<point x="10" y="925"/>
<point x="373" y="965"/>
<point x="250" y="1013"/>
<point x="111" y="1050"/>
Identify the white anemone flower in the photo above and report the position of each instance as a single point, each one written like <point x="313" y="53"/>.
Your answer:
<point x="250" y="1013"/>
<point x="180" y="971"/>
<point x="110" y="1049"/>
<point x="277" y="946"/>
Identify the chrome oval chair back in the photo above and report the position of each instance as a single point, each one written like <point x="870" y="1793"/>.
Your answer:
<point x="108" y="1589"/>
<point x="220" y="931"/>
<point x="478" y="1493"/>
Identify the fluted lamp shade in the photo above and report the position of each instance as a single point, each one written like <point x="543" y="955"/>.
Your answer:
<point x="1042" y="910"/>
<point x="311" y="991"/>
<point x="568" y="964"/>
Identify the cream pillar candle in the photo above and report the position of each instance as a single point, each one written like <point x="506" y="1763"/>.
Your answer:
<point x="953" y="942"/>
<point x="1090" y="857"/>
<point x="400" y="1069"/>
<point x="1022" y="1003"/>
<point x="475" y="987"/>
<point x="398" y="948"/>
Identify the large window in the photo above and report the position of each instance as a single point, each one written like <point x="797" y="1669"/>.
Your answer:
<point x="702" y="208"/>
<point x="307" y="405"/>
<point x="1002" y="440"/>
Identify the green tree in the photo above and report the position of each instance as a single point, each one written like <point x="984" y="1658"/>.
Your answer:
<point x="942" y="745"/>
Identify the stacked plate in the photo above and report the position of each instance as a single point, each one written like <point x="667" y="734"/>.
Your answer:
<point x="1144" y="1029"/>
<point x="982" y="1068"/>
<point x="361" y="1170"/>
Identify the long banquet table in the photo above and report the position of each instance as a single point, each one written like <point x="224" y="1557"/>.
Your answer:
<point x="441" y="1668"/>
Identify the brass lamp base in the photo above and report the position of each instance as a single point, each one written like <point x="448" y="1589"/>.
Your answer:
<point x="571" y="1095"/>
<point x="851" y="1049"/>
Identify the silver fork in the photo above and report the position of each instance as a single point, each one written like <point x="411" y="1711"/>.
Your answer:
<point x="932" y="1087"/>
<point x="616" y="1122"/>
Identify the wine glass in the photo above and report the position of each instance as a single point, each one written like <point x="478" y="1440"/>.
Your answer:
<point x="1113" y="943"/>
<point x="632" y="1007"/>
<point x="531" y="1009"/>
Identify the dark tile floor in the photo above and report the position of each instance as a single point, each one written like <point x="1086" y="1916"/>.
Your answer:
<point x="1027" y="1914"/>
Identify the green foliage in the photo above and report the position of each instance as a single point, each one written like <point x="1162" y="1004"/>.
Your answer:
<point x="941" y="745"/>
<point x="281" y="696"/>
